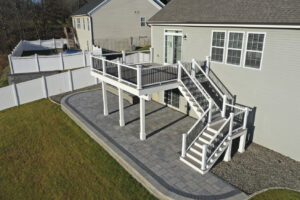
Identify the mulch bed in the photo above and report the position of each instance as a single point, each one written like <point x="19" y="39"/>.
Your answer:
<point x="259" y="168"/>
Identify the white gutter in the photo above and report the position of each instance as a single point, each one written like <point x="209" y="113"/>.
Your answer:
<point x="233" y="25"/>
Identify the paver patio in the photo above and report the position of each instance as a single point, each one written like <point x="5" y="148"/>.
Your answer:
<point x="154" y="162"/>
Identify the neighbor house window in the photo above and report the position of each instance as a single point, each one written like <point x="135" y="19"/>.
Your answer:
<point x="78" y="23"/>
<point x="143" y="21"/>
<point x="254" y="50"/>
<point x="88" y="23"/>
<point x="218" y="46"/>
<point x="235" y="46"/>
<point x="74" y="23"/>
<point x="83" y="23"/>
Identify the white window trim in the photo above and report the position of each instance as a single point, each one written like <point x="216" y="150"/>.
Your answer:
<point x="262" y="52"/>
<point x="224" y="48"/>
<point x="164" y="39"/>
<point x="227" y="48"/>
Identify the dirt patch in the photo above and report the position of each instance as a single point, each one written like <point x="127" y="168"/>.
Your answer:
<point x="259" y="168"/>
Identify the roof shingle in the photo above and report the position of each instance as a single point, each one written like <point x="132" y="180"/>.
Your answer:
<point x="275" y="12"/>
<point x="84" y="10"/>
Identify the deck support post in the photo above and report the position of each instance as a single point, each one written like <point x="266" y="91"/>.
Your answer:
<point x="242" y="143"/>
<point x="193" y="72"/>
<point x="104" y="94"/>
<point x="183" y="150"/>
<point x="142" y="119"/>
<point x="207" y="65"/>
<point x="121" y="108"/>
<point x="227" y="156"/>
<point x="123" y="57"/>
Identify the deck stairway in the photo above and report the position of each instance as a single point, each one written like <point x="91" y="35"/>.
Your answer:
<point x="212" y="134"/>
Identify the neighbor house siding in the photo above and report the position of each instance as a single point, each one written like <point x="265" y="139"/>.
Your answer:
<point x="83" y="33"/>
<point x="273" y="91"/>
<point x="116" y="22"/>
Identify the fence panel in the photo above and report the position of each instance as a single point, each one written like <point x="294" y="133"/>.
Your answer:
<point x="50" y="63"/>
<point x="58" y="84"/>
<point x="73" y="60"/>
<point x="83" y="78"/>
<point x="24" y="64"/>
<point x="7" y="95"/>
<point x="31" y="90"/>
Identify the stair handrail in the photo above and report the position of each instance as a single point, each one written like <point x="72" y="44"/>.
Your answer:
<point x="224" y="139"/>
<point x="185" y="135"/>
<point x="213" y="84"/>
<point x="219" y="130"/>
<point x="203" y="93"/>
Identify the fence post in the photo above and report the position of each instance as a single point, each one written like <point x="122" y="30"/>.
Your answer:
<point x="139" y="77"/>
<point x="11" y="64"/>
<point x="37" y="63"/>
<point x="70" y="80"/>
<point x="203" y="161"/>
<point x="183" y="150"/>
<point x="123" y="57"/>
<point x="151" y="55"/>
<point x="91" y="61"/>
<point x="246" y="118"/>
<point x="179" y="71"/>
<point x="224" y="105"/>
<point x="84" y="60"/>
<point x="54" y="44"/>
<point x="210" y="104"/>
<point x="119" y="71"/>
<point x="231" y="124"/>
<point x="62" y="61"/>
<point x="15" y="91"/>
<point x="44" y="82"/>
<point x="207" y="64"/>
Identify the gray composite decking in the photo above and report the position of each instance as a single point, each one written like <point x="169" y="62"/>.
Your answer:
<point x="154" y="162"/>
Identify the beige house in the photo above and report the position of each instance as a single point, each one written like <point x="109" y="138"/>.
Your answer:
<point x="115" y="24"/>
<point x="254" y="51"/>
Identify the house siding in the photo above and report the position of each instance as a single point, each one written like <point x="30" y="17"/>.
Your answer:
<point x="273" y="91"/>
<point x="116" y="22"/>
<point x="84" y="35"/>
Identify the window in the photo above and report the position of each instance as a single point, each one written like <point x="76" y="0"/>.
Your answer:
<point x="218" y="45"/>
<point x="74" y="23"/>
<point x="83" y="23"/>
<point x="172" y="97"/>
<point x="143" y="21"/>
<point x="173" y="43"/>
<point x="88" y="24"/>
<point x="78" y="23"/>
<point x="235" y="46"/>
<point x="254" y="50"/>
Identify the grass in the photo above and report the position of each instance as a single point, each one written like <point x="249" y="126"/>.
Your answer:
<point x="145" y="48"/>
<point x="45" y="155"/>
<point x="277" y="194"/>
<point x="4" y="70"/>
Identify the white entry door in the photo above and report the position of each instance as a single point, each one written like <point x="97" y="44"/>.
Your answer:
<point x="173" y="43"/>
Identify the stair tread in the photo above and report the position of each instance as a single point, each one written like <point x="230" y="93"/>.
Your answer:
<point x="191" y="161"/>
<point x="197" y="156"/>
<point x="217" y="126"/>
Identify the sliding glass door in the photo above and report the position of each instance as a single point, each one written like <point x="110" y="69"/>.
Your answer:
<point x="173" y="42"/>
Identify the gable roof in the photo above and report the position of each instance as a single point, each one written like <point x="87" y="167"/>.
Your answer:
<point x="273" y="12"/>
<point x="91" y="5"/>
<point x="88" y="7"/>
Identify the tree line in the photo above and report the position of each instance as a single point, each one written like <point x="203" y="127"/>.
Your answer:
<point x="34" y="19"/>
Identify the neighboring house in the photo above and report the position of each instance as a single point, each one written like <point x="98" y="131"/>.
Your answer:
<point x="254" y="48"/>
<point x="115" y="24"/>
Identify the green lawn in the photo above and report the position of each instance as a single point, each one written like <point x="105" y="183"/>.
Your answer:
<point x="277" y="194"/>
<point x="45" y="155"/>
<point x="4" y="76"/>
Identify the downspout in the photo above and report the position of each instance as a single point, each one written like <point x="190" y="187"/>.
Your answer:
<point x="91" y="29"/>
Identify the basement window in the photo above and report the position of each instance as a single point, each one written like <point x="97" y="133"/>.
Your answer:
<point x="218" y="46"/>
<point x="254" y="50"/>
<point x="88" y="23"/>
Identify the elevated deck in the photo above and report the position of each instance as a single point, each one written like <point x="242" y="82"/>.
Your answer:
<point x="138" y="79"/>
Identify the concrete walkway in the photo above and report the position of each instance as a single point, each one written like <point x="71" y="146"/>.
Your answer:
<point x="154" y="162"/>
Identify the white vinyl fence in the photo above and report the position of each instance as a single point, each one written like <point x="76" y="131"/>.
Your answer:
<point x="37" y="63"/>
<point x="29" y="91"/>
<point x="38" y="45"/>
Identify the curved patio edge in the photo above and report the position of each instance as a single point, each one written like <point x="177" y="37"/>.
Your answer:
<point x="140" y="174"/>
